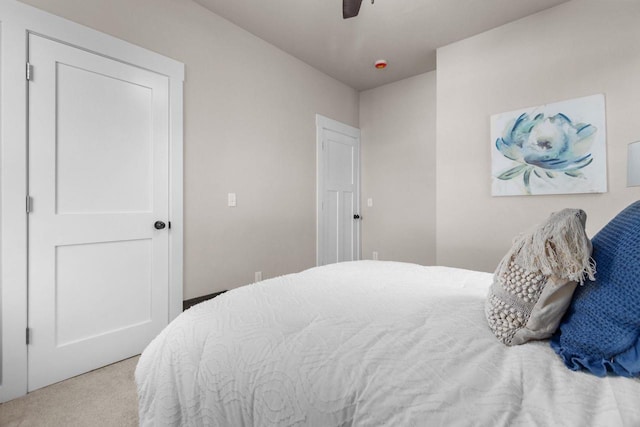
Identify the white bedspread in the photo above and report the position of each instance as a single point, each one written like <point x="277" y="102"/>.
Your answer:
<point x="365" y="343"/>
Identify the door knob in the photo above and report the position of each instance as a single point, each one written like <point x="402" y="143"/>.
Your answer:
<point x="356" y="216"/>
<point x="159" y="225"/>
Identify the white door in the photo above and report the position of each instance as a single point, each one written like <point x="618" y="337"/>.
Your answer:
<point x="98" y="181"/>
<point x="338" y="192"/>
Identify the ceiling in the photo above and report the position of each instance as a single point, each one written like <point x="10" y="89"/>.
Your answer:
<point x="404" y="32"/>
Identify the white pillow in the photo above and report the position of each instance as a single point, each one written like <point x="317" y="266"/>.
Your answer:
<point x="534" y="282"/>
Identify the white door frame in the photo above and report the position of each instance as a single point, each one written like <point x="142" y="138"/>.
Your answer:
<point x="17" y="20"/>
<point x="324" y="123"/>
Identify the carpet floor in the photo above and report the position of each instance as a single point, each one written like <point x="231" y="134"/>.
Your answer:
<point x="104" y="397"/>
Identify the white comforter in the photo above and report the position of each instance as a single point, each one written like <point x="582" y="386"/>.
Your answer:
<point x="365" y="343"/>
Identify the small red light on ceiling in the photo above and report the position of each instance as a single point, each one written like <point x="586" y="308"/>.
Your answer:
<point x="380" y="64"/>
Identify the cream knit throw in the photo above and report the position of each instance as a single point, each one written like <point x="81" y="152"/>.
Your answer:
<point x="534" y="282"/>
<point x="558" y="246"/>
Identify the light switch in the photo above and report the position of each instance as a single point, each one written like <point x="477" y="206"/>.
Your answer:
<point x="370" y="202"/>
<point x="231" y="200"/>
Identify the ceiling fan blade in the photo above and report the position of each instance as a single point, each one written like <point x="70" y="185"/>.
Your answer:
<point x="350" y="8"/>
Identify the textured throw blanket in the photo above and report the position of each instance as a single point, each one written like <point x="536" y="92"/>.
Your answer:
<point x="558" y="246"/>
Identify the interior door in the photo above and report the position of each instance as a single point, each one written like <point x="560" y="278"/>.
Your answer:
<point x="339" y="230"/>
<point x="98" y="183"/>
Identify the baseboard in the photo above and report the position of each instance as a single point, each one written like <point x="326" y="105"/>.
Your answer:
<point x="193" y="301"/>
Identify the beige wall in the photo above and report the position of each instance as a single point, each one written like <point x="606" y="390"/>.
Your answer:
<point x="576" y="49"/>
<point x="398" y="170"/>
<point x="249" y="128"/>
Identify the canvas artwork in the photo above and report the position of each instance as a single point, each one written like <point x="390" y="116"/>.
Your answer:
<point x="557" y="148"/>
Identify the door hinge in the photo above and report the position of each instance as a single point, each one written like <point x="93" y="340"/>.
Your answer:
<point x="29" y="71"/>
<point x="29" y="204"/>
<point x="28" y="336"/>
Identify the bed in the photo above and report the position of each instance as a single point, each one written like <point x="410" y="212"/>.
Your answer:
<point x="365" y="343"/>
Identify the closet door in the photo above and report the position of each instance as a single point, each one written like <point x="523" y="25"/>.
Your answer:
<point x="338" y="192"/>
<point x="98" y="232"/>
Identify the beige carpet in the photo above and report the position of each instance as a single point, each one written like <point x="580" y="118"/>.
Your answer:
<point x="104" y="397"/>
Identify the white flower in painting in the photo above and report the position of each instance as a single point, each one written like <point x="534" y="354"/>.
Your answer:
<point x="545" y="145"/>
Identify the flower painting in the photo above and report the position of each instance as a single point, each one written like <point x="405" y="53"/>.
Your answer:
<point x="553" y="149"/>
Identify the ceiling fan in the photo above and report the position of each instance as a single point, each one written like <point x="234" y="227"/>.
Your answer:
<point x="350" y="8"/>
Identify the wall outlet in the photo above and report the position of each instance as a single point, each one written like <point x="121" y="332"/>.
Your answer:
<point x="370" y="202"/>
<point x="258" y="276"/>
<point x="375" y="255"/>
<point x="231" y="200"/>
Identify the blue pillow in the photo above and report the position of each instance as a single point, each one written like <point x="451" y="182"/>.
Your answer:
<point x="600" y="331"/>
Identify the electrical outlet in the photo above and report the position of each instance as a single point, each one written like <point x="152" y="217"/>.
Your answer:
<point x="231" y="200"/>
<point x="375" y="255"/>
<point x="258" y="276"/>
<point x="370" y="202"/>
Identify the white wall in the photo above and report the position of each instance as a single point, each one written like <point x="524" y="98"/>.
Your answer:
<point x="249" y="128"/>
<point x="397" y="122"/>
<point x="578" y="48"/>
